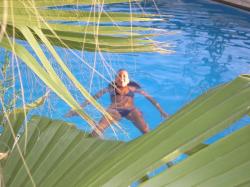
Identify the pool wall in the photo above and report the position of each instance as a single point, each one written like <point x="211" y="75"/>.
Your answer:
<point x="243" y="4"/>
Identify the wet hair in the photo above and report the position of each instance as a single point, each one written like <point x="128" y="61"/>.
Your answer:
<point x="121" y="70"/>
<point x="134" y="84"/>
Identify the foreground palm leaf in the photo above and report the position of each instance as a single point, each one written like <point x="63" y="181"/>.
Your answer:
<point x="60" y="155"/>
<point x="225" y="163"/>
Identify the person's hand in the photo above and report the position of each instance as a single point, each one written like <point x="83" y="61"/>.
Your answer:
<point x="164" y="115"/>
<point x="71" y="113"/>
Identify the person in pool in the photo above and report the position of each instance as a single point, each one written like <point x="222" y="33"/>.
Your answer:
<point x="122" y="92"/>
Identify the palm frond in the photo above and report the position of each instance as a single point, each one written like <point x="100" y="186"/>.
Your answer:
<point x="37" y="23"/>
<point x="60" y="155"/>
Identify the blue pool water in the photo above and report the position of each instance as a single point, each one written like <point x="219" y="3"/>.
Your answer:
<point x="212" y="46"/>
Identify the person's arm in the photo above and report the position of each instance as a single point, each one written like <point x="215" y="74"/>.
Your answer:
<point x="84" y="104"/>
<point x="96" y="96"/>
<point x="153" y="101"/>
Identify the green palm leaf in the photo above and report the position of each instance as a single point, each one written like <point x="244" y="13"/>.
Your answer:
<point x="225" y="163"/>
<point x="39" y="3"/>
<point x="1" y="177"/>
<point x="33" y="22"/>
<point x="48" y="78"/>
<point x="60" y="155"/>
<point x="16" y="117"/>
<point x="27" y="14"/>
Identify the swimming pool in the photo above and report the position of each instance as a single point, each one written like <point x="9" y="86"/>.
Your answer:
<point x="212" y="46"/>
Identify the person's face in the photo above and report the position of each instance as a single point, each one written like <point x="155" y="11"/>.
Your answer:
<point x="122" y="79"/>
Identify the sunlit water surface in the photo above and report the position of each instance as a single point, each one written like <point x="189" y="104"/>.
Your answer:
<point x="212" y="46"/>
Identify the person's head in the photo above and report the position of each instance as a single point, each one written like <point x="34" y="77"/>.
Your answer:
<point x="122" y="78"/>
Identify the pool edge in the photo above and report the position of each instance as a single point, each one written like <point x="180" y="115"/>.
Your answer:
<point x="235" y="4"/>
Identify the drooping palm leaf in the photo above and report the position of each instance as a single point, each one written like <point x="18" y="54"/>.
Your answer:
<point x="30" y="16"/>
<point x="28" y="13"/>
<point x="60" y="155"/>
<point x="41" y="3"/>
<point x="34" y="22"/>
<point x="53" y="82"/>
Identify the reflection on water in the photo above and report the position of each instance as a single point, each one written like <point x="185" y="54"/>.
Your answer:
<point x="211" y="43"/>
